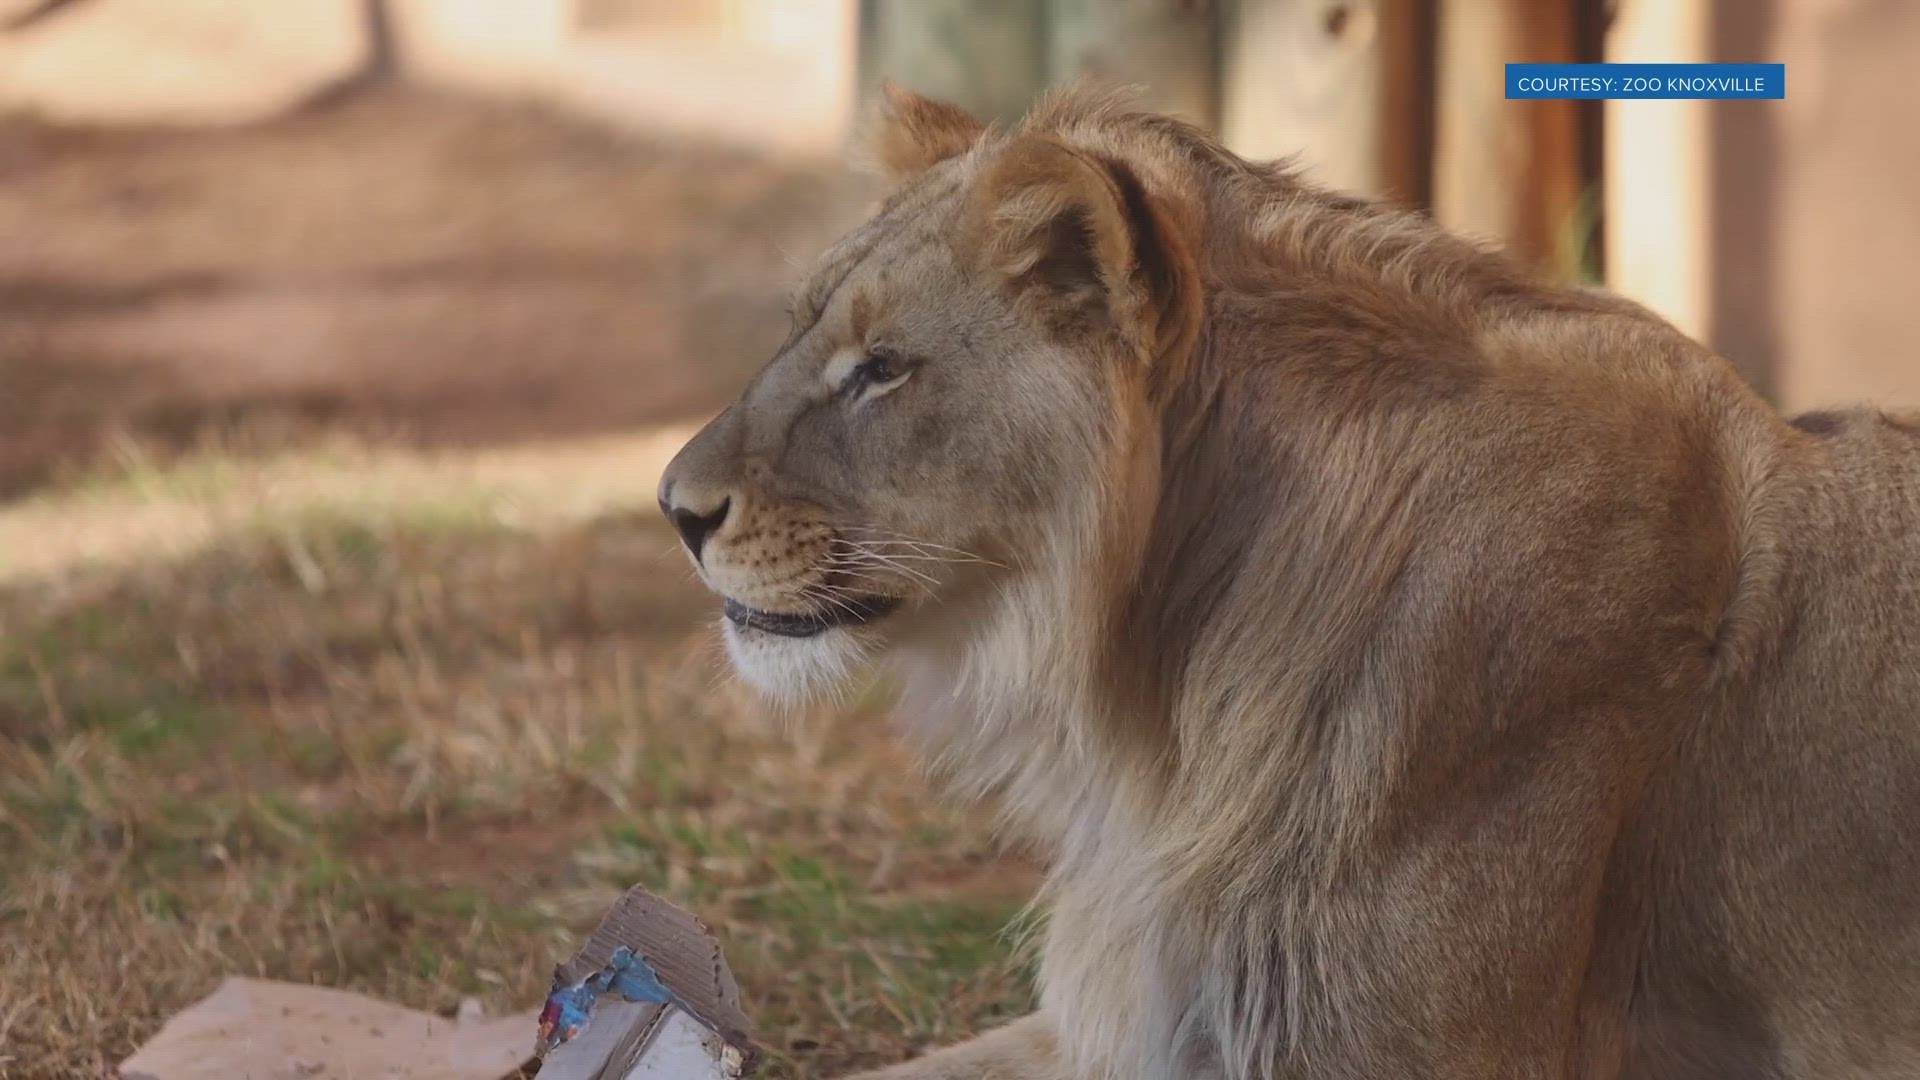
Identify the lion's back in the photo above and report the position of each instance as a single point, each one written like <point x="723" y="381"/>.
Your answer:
<point x="1791" y="930"/>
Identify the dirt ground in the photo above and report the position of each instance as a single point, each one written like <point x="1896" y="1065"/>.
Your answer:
<point x="407" y="266"/>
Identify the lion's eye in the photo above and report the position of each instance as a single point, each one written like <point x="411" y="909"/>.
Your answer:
<point x="880" y="367"/>
<point x="858" y="378"/>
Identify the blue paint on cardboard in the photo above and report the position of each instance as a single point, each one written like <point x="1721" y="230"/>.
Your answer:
<point x="568" y="1008"/>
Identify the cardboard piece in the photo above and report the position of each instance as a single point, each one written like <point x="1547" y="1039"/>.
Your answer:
<point x="649" y="996"/>
<point x="255" y="1029"/>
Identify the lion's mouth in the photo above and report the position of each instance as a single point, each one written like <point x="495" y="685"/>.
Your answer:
<point x="846" y="611"/>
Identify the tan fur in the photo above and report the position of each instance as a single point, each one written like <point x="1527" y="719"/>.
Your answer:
<point x="913" y="134"/>
<point x="1411" y="669"/>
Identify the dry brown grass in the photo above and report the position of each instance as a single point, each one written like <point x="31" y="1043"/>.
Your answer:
<point x="414" y="743"/>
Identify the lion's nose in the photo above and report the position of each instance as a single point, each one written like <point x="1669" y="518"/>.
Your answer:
<point x="694" y="518"/>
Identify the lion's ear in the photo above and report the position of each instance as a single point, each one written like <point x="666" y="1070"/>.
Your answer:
<point x="1080" y="238"/>
<point x="911" y="134"/>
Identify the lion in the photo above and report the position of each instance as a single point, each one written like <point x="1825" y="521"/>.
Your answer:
<point x="1408" y="667"/>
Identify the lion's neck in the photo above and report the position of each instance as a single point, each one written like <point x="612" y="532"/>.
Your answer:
<point x="1015" y="713"/>
<point x="1065" y="705"/>
<point x="1098" y="691"/>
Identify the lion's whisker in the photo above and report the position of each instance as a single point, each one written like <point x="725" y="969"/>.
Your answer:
<point x="889" y="537"/>
<point x="827" y="595"/>
<point x="937" y="559"/>
<point x="881" y="545"/>
<point x="920" y="555"/>
<point x="847" y="570"/>
<point x="894" y="534"/>
<point x="875" y="560"/>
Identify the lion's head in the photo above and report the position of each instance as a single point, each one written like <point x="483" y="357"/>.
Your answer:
<point x="965" y="385"/>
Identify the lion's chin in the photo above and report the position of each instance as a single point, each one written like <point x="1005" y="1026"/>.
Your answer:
<point x="794" y="670"/>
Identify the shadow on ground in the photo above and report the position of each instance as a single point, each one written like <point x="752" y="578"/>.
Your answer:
<point x="407" y="265"/>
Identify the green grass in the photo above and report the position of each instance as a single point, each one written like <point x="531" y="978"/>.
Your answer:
<point x="417" y="754"/>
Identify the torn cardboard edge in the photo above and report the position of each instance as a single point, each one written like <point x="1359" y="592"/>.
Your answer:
<point x="650" y="995"/>
<point x="648" y="998"/>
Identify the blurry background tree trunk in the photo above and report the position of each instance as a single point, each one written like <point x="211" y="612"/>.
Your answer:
<point x="15" y="17"/>
<point x="379" y="59"/>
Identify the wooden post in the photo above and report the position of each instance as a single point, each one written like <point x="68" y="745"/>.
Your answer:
<point x="1657" y="171"/>
<point x="1504" y="170"/>
<point x="1164" y="47"/>
<point x="1341" y="83"/>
